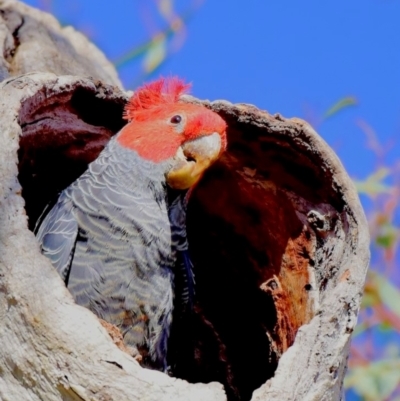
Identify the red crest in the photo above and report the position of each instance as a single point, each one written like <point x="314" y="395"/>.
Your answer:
<point x="158" y="93"/>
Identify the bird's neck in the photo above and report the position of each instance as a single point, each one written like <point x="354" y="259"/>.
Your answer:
<point x="130" y="171"/>
<point x="128" y="174"/>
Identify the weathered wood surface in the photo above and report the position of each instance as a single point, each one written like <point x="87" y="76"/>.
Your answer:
<point x="280" y="247"/>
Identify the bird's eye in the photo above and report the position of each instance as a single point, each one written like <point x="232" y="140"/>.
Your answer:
<point x="176" y="119"/>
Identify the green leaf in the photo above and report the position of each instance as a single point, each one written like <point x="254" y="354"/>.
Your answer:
<point x="167" y="33"/>
<point x="385" y="326"/>
<point x="341" y="104"/>
<point x="155" y="54"/>
<point x="369" y="300"/>
<point x="372" y="188"/>
<point x="370" y="297"/>
<point x="385" y="241"/>
<point x="387" y="236"/>
<point x="375" y="381"/>
<point x="388" y="293"/>
<point x="373" y="184"/>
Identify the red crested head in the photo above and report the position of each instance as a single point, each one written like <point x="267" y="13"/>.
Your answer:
<point x="160" y="123"/>
<point x="163" y="92"/>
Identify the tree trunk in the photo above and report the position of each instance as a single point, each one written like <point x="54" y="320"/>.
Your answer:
<point x="277" y="235"/>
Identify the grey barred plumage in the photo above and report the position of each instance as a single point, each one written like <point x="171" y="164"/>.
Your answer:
<point x="110" y="238"/>
<point x="117" y="235"/>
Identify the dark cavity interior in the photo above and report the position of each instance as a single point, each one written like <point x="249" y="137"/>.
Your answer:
<point x="249" y="246"/>
<point x="60" y="136"/>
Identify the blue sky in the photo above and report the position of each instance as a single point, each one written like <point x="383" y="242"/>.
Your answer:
<point x="296" y="58"/>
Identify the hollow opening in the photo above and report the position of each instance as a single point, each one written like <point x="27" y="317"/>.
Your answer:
<point x="249" y="243"/>
<point x="61" y="135"/>
<point x="239" y="240"/>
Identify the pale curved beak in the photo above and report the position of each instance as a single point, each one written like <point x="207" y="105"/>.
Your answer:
<point x="192" y="159"/>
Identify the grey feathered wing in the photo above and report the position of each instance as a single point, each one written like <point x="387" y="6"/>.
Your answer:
<point x="57" y="236"/>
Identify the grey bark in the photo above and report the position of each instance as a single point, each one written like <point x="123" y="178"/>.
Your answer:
<point x="53" y="349"/>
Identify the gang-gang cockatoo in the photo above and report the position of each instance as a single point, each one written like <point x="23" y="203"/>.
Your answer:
<point x="117" y="235"/>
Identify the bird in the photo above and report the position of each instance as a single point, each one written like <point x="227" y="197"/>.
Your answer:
<point x="117" y="234"/>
